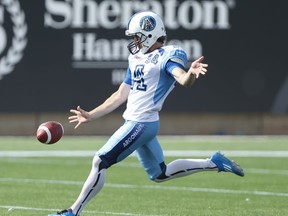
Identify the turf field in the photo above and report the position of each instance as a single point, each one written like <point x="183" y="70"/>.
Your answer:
<point x="37" y="179"/>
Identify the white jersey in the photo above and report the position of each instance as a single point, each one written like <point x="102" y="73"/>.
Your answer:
<point x="150" y="82"/>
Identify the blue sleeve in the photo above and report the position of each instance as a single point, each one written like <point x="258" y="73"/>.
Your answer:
<point x="175" y="58"/>
<point x="170" y="65"/>
<point x="179" y="56"/>
<point x="128" y="79"/>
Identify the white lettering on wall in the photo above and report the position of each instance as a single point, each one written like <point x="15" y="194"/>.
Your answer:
<point x="95" y="50"/>
<point x="89" y="47"/>
<point x="115" y="14"/>
<point x="58" y="15"/>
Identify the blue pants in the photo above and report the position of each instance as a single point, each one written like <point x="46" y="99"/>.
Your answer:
<point x="139" y="137"/>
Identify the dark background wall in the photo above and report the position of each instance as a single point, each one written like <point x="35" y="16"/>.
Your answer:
<point x="55" y="55"/>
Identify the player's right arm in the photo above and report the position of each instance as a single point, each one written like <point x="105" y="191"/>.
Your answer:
<point x="115" y="100"/>
<point x="188" y="78"/>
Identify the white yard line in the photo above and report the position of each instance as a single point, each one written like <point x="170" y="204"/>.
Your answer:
<point x="136" y="165"/>
<point x="172" y="153"/>
<point x="153" y="187"/>
<point x="266" y="171"/>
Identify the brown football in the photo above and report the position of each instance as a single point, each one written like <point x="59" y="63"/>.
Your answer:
<point x="50" y="132"/>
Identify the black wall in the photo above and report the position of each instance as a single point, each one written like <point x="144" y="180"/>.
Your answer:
<point x="76" y="53"/>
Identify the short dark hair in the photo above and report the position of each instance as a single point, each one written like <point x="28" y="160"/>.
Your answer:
<point x="161" y="39"/>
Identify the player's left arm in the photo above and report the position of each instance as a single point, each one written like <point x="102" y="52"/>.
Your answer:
<point x="81" y="116"/>
<point x="188" y="78"/>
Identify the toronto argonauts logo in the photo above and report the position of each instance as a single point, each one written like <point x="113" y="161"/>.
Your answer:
<point x="11" y="53"/>
<point x="147" y="23"/>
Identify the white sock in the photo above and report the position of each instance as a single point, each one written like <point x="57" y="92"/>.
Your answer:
<point x="91" y="187"/>
<point x="183" y="167"/>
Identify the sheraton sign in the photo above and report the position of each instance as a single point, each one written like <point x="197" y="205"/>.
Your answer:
<point x="93" y="50"/>
<point x="115" y="14"/>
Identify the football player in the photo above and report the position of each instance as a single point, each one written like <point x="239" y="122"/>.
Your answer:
<point x="153" y="71"/>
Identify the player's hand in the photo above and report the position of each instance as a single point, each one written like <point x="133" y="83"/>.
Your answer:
<point x="80" y="116"/>
<point x="197" y="67"/>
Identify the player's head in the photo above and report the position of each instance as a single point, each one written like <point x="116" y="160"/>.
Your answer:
<point x="145" y="28"/>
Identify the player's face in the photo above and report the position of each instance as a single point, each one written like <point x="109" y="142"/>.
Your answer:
<point x="137" y="40"/>
<point x="137" y="43"/>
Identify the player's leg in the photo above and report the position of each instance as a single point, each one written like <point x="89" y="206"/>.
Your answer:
<point x="122" y="143"/>
<point x="91" y="187"/>
<point x="152" y="159"/>
<point x="126" y="140"/>
<point x="183" y="167"/>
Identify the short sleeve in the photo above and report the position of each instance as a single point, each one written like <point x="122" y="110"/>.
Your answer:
<point x="170" y="65"/>
<point x="128" y="79"/>
<point x="178" y="56"/>
<point x="175" y="57"/>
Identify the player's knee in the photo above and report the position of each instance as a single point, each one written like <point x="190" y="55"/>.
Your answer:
<point x="162" y="177"/>
<point x="98" y="163"/>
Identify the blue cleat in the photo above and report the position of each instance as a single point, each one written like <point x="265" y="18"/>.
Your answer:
<point x="226" y="165"/>
<point x="66" y="212"/>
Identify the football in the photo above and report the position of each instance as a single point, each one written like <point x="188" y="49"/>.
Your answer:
<point x="50" y="132"/>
